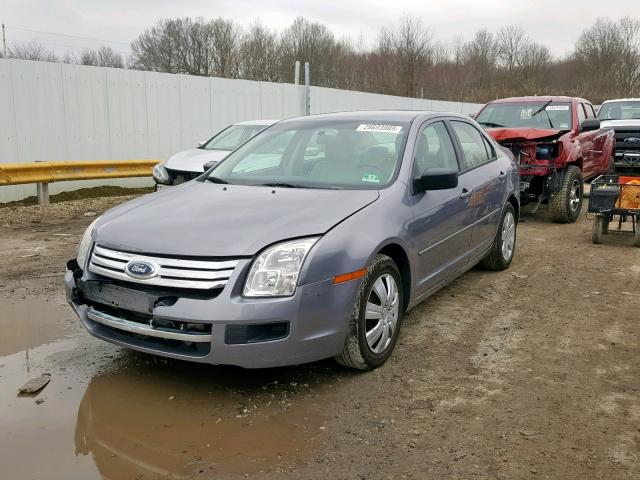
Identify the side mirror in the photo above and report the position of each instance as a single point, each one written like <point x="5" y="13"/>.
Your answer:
<point x="437" y="179"/>
<point x="210" y="164"/>
<point x="590" y="124"/>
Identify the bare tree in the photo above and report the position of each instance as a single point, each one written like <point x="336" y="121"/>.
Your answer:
<point x="259" y="54"/>
<point x="31" y="51"/>
<point x="103" y="57"/>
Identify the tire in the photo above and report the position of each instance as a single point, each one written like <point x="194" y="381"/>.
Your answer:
<point x="597" y="229"/>
<point x="504" y="244"/>
<point x="566" y="203"/>
<point x="358" y="352"/>
<point x="636" y="233"/>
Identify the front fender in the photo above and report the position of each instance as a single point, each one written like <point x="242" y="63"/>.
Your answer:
<point x="352" y="244"/>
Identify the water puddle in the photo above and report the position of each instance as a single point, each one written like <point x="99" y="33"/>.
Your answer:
<point x="28" y="323"/>
<point x="112" y="413"/>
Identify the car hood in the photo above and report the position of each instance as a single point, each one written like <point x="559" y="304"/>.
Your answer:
<point x="515" y="134"/>
<point x="620" y="123"/>
<point x="213" y="220"/>
<point x="193" y="160"/>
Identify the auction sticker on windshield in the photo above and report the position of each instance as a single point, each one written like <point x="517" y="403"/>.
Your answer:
<point x="379" y="128"/>
<point x="371" y="177"/>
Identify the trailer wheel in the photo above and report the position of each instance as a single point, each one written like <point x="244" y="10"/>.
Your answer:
<point x="597" y="229"/>
<point x="566" y="203"/>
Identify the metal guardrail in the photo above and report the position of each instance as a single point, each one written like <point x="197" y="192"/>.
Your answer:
<point x="44" y="173"/>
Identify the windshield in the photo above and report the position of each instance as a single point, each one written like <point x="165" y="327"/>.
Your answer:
<point x="620" y="111"/>
<point x="232" y="137"/>
<point x="542" y="114"/>
<point x="321" y="154"/>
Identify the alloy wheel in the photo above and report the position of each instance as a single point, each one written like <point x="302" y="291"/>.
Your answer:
<point x="381" y="317"/>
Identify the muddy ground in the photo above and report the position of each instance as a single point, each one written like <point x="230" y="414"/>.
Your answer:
<point x="529" y="373"/>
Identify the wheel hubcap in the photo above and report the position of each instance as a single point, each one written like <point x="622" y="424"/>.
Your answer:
<point x="508" y="236"/>
<point x="574" y="195"/>
<point x="381" y="317"/>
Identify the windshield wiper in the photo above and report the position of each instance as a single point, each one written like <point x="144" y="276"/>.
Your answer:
<point x="282" y="185"/>
<point x="491" y="124"/>
<point x="213" y="179"/>
<point x="295" y="185"/>
<point x="544" y="108"/>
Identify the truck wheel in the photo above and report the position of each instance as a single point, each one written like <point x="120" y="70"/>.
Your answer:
<point x="597" y="229"/>
<point x="565" y="204"/>
<point x="377" y="316"/>
<point x="504" y="245"/>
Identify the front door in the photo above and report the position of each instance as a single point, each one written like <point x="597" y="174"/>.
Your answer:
<point x="440" y="228"/>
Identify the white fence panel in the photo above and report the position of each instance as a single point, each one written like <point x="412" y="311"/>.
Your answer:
<point x="163" y="114"/>
<point x="52" y="111"/>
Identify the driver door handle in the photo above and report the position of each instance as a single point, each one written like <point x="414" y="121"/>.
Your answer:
<point x="466" y="193"/>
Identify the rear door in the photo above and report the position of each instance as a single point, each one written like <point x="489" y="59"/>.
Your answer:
<point x="487" y="184"/>
<point x="586" y="139"/>
<point x="441" y="227"/>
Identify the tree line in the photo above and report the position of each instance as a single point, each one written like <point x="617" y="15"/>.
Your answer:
<point x="405" y="59"/>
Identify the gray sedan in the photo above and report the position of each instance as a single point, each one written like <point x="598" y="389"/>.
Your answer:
<point x="189" y="164"/>
<point x="311" y="240"/>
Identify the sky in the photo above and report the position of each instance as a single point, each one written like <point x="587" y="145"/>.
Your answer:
<point x="556" y="23"/>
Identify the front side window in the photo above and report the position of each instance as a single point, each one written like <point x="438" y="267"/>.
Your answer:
<point x="232" y="137"/>
<point x="473" y="144"/>
<point x="627" y="110"/>
<point x="318" y="154"/>
<point x="556" y="115"/>
<point x="581" y="115"/>
<point x="434" y="149"/>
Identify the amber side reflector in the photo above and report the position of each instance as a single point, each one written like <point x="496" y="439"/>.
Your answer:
<point x="346" y="277"/>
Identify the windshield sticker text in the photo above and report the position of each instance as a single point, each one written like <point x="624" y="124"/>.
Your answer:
<point x="563" y="108"/>
<point x="379" y="128"/>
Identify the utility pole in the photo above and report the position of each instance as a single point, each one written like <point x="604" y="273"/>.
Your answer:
<point x="307" y="90"/>
<point x="296" y="79"/>
<point x="4" y="42"/>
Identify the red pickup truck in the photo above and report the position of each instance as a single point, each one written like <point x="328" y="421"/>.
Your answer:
<point x="558" y="143"/>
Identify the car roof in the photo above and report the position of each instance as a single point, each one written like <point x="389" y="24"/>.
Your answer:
<point x="257" y="122"/>
<point x="542" y="98"/>
<point x="621" y="100"/>
<point x="375" y="116"/>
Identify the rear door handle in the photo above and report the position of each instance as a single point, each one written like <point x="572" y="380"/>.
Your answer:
<point x="502" y="176"/>
<point x="466" y="193"/>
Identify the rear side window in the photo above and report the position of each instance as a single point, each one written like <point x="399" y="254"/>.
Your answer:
<point x="434" y="149"/>
<point x="581" y="115"/>
<point x="474" y="145"/>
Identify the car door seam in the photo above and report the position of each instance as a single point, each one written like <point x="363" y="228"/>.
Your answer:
<point x="456" y="233"/>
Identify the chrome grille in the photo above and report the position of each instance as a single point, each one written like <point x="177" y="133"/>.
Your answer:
<point x="172" y="272"/>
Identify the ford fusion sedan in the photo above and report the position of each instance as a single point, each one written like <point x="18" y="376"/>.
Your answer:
<point x="189" y="164"/>
<point x="310" y="241"/>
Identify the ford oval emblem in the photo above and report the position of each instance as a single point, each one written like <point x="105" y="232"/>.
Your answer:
<point x="632" y="140"/>
<point x="141" y="270"/>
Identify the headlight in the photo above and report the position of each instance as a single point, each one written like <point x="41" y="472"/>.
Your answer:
<point x="160" y="174"/>
<point x="85" y="245"/>
<point x="276" y="270"/>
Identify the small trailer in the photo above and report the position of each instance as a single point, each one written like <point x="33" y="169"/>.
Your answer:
<point x="617" y="194"/>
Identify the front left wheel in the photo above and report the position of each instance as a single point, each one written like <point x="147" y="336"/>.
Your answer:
<point x="377" y="316"/>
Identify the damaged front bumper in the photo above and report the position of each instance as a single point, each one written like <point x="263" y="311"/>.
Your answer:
<point x="220" y="327"/>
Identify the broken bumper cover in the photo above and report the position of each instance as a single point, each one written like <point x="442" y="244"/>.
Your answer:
<point x="316" y="319"/>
